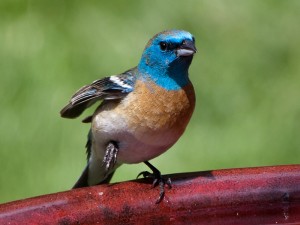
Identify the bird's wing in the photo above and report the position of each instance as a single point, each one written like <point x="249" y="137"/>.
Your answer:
<point x="108" y="88"/>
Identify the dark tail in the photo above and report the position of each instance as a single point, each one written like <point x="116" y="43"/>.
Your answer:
<point x="83" y="179"/>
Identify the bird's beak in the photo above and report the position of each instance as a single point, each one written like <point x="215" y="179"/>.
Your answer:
<point x="186" y="49"/>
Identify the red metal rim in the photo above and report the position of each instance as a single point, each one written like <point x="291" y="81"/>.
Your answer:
<point x="264" y="195"/>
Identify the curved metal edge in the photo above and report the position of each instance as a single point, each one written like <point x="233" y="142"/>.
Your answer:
<point x="263" y="195"/>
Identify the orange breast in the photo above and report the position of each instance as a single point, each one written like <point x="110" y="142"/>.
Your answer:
<point x="152" y="109"/>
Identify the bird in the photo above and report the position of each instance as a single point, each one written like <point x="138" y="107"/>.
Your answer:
<point x="142" y="112"/>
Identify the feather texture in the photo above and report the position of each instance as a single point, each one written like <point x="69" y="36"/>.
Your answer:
<point x="144" y="110"/>
<point x="108" y="88"/>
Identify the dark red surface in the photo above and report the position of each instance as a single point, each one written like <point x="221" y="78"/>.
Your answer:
<point x="265" y="195"/>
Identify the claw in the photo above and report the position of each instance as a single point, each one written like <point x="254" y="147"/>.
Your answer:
<point x="145" y="174"/>
<point x="158" y="180"/>
<point x="169" y="183"/>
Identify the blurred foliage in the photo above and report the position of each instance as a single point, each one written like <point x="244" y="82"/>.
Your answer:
<point x="246" y="74"/>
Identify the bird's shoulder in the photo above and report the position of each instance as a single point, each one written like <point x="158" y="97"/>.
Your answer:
<point x="122" y="83"/>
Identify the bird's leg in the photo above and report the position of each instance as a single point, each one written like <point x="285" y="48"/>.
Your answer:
<point x="110" y="157"/>
<point x="157" y="180"/>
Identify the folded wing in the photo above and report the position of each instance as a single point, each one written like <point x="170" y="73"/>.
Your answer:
<point x="108" y="88"/>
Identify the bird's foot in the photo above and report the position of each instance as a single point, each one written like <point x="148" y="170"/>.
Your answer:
<point x="110" y="157"/>
<point x="158" y="180"/>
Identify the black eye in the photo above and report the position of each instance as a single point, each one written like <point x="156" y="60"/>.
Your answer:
<point x="193" y="39"/>
<point x="163" y="45"/>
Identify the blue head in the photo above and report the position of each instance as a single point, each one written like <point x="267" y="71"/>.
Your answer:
<point x="167" y="57"/>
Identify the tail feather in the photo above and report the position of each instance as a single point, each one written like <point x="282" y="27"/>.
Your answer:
<point x="83" y="179"/>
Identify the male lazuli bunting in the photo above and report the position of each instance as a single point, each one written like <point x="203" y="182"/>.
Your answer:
<point x="143" y="112"/>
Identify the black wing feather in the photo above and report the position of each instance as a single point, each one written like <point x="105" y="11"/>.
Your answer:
<point x="105" y="88"/>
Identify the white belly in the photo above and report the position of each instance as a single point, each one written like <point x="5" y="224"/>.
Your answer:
<point x="142" y="130"/>
<point x="133" y="147"/>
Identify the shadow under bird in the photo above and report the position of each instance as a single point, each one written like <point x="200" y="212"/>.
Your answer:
<point x="143" y="112"/>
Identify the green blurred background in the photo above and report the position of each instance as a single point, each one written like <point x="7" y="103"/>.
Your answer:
<point x="246" y="75"/>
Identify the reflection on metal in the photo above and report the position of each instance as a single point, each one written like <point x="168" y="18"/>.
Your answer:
<point x="264" y="195"/>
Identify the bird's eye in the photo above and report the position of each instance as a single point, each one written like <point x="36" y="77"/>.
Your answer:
<point x="163" y="45"/>
<point x="183" y="42"/>
<point x="193" y="39"/>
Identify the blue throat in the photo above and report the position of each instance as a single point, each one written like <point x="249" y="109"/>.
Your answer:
<point x="173" y="76"/>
